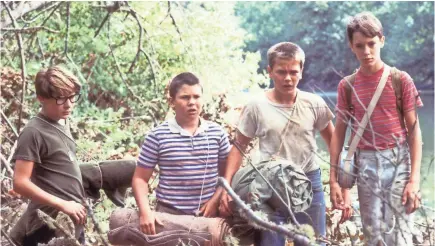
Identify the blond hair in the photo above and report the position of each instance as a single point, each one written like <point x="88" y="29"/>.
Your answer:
<point x="285" y="50"/>
<point x="56" y="81"/>
<point x="365" y="23"/>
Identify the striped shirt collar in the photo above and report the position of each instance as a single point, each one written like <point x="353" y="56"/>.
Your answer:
<point x="175" y="128"/>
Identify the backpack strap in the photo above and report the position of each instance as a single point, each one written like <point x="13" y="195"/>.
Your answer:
<point x="397" y="86"/>
<point x="349" y="81"/>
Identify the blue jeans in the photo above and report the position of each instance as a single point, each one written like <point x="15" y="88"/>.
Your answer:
<point x="315" y="215"/>
<point x="382" y="178"/>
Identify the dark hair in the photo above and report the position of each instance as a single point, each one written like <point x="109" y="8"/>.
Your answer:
<point x="285" y="50"/>
<point x="180" y="80"/>
<point x="367" y="24"/>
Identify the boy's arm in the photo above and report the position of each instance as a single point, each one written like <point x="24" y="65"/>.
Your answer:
<point x="337" y="141"/>
<point x="411" y="194"/>
<point x="24" y="186"/>
<point x="140" y="187"/>
<point x="234" y="161"/>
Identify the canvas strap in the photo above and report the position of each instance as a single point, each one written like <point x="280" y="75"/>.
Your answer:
<point x="362" y="125"/>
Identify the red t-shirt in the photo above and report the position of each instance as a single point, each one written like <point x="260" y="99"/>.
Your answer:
<point x="384" y="124"/>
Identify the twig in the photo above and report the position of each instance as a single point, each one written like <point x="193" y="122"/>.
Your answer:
<point x="173" y="20"/>
<point x="97" y="226"/>
<point x="7" y="237"/>
<point x="102" y="24"/>
<point x="23" y="67"/>
<point x="53" y="223"/>
<point x="12" y="151"/>
<point x="140" y="49"/>
<point x="68" y="22"/>
<point x="9" y="123"/>
<point x="300" y="239"/>
<point x="7" y="165"/>
<point x="29" y="29"/>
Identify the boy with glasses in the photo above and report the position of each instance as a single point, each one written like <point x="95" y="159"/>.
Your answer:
<point x="46" y="169"/>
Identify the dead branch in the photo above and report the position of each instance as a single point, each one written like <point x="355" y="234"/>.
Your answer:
<point x="96" y="224"/>
<point x="173" y="20"/>
<point x="52" y="223"/>
<point x="110" y="9"/>
<point x="140" y="49"/>
<point x="9" y="123"/>
<point x="7" y="165"/>
<point x="68" y="23"/>
<point x="296" y="236"/>
<point x="7" y="237"/>
<point x="29" y="29"/>
<point x="23" y="67"/>
<point x="26" y="8"/>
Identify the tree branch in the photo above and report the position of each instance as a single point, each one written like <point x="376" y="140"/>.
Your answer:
<point x="6" y="164"/>
<point x="29" y="29"/>
<point x="118" y="68"/>
<point x="173" y="20"/>
<point x="68" y="22"/>
<point x="7" y="237"/>
<point x="9" y="123"/>
<point x="23" y="67"/>
<point x="297" y="237"/>
<point x="23" y="9"/>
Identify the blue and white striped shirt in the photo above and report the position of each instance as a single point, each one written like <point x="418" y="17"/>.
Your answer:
<point x="187" y="163"/>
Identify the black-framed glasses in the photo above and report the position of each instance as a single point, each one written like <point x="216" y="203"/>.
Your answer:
<point x="62" y="100"/>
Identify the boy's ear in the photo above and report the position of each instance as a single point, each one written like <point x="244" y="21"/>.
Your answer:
<point x="40" y="99"/>
<point x="269" y="69"/>
<point x="382" y="41"/>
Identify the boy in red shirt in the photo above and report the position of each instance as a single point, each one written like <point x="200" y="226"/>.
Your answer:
<point x="389" y="153"/>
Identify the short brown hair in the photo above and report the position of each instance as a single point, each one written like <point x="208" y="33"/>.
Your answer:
<point x="56" y="81"/>
<point x="365" y="23"/>
<point x="285" y="50"/>
<point x="182" y="79"/>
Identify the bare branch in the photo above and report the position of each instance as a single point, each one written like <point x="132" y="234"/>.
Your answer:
<point x="140" y="49"/>
<point x="102" y="24"/>
<point x="296" y="236"/>
<point x="55" y="225"/>
<point x="9" y="123"/>
<point x="7" y="237"/>
<point x="173" y="20"/>
<point x="6" y="164"/>
<point x="23" y="67"/>
<point x="29" y="29"/>
<point x="28" y="7"/>
<point x="96" y="224"/>
<point x="68" y="23"/>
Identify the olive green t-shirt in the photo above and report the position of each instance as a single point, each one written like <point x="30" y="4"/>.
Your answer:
<point x="55" y="169"/>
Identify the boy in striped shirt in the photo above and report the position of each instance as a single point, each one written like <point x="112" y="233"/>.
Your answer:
<point x="388" y="155"/>
<point x="190" y="152"/>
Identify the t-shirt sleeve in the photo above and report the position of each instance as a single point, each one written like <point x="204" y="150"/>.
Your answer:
<point x="248" y="121"/>
<point x="149" y="152"/>
<point x="29" y="146"/>
<point x="341" y="108"/>
<point x="411" y="97"/>
<point x="224" y="146"/>
<point x="323" y="115"/>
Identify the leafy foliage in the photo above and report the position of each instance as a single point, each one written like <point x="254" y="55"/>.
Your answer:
<point x="320" y="29"/>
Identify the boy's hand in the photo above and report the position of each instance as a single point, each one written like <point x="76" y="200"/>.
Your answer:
<point x="74" y="210"/>
<point x="411" y="196"/>
<point x="336" y="196"/>
<point x="147" y="223"/>
<point x="224" y="206"/>
<point x="210" y="208"/>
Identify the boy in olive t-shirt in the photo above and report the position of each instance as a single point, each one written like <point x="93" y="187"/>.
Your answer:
<point x="46" y="170"/>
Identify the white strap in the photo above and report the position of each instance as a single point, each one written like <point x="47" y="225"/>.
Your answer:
<point x="370" y="108"/>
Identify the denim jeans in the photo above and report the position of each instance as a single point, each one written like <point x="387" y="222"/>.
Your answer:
<point x="382" y="178"/>
<point x="315" y="215"/>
